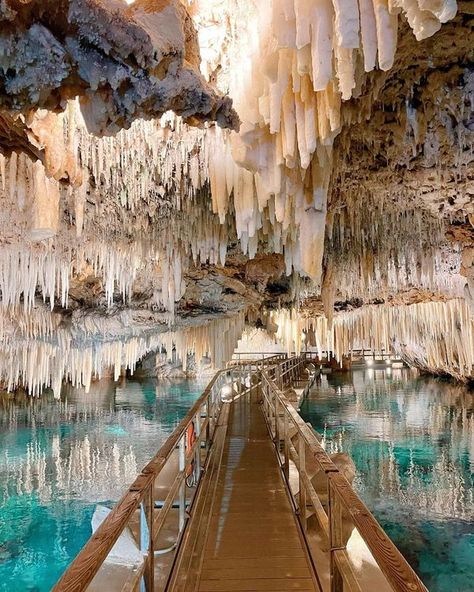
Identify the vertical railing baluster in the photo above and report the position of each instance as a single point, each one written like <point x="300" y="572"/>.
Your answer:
<point x="209" y="419"/>
<point x="335" y="537"/>
<point x="214" y="392"/>
<point x="286" y="436"/>
<point x="144" y="546"/>
<point x="182" y="487"/>
<point x="277" y="419"/>
<point x="150" y="506"/>
<point x="301" y="473"/>
<point x="197" y="454"/>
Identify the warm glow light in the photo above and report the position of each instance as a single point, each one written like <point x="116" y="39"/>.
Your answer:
<point x="370" y="362"/>
<point x="226" y="393"/>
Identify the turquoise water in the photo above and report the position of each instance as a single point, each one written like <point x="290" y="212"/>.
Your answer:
<point x="412" y="440"/>
<point x="58" y="459"/>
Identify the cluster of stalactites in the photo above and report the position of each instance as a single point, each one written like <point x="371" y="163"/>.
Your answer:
<point x="291" y="63"/>
<point x="216" y="339"/>
<point x="156" y="171"/>
<point x="375" y="249"/>
<point x="36" y="364"/>
<point x="170" y="164"/>
<point x="436" y="336"/>
<point x="26" y="269"/>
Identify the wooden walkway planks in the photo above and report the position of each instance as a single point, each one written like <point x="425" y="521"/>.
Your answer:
<point x="252" y="541"/>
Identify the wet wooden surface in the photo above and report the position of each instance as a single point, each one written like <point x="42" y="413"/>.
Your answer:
<point x="251" y="540"/>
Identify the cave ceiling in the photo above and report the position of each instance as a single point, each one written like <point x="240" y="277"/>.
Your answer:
<point x="164" y="162"/>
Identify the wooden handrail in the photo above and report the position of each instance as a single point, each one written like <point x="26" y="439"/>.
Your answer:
<point x="392" y="563"/>
<point x="264" y="361"/>
<point x="341" y="496"/>
<point x="87" y="563"/>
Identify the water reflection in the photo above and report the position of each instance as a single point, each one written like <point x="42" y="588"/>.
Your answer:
<point x="59" y="458"/>
<point x="412" y="439"/>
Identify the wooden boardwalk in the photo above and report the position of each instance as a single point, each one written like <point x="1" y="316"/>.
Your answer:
<point x="250" y="536"/>
<point x="227" y="519"/>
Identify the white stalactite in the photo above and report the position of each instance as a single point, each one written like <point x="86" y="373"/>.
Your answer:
<point x="436" y="336"/>
<point x="37" y="353"/>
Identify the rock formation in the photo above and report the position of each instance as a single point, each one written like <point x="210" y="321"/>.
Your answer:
<point x="164" y="164"/>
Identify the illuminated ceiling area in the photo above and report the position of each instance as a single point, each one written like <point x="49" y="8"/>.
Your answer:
<point x="172" y="171"/>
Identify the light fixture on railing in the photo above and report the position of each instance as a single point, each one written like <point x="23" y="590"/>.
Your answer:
<point x="388" y="362"/>
<point x="369" y="362"/>
<point x="227" y="393"/>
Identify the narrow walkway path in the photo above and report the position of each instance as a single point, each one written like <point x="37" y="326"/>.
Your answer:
<point x="252" y="540"/>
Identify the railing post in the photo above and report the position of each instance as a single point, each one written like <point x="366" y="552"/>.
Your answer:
<point x="197" y="459"/>
<point x="301" y="472"/>
<point x="335" y="537"/>
<point x="146" y="540"/>
<point x="277" y="430"/>
<point x="286" y="465"/>
<point x="150" y="574"/>
<point x="182" y="487"/>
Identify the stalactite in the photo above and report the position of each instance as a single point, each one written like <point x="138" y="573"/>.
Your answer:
<point x="287" y="82"/>
<point x="435" y="336"/>
<point x="37" y="353"/>
<point x="157" y="198"/>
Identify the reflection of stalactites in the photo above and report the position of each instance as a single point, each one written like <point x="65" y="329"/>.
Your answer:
<point x="82" y="471"/>
<point x="437" y="485"/>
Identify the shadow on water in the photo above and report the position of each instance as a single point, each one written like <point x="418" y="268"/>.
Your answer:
<point x="412" y="440"/>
